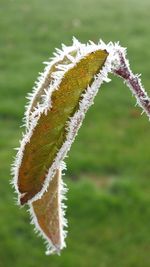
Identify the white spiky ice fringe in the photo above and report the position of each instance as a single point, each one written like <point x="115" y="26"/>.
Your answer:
<point x="50" y="247"/>
<point x="87" y="100"/>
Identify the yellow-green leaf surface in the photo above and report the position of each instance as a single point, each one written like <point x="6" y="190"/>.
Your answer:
<point x="50" y="132"/>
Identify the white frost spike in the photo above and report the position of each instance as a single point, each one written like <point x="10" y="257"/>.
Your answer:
<point x="76" y="42"/>
<point x="115" y="63"/>
<point x="71" y="58"/>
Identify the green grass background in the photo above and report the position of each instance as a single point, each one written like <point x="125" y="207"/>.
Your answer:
<point x="108" y="169"/>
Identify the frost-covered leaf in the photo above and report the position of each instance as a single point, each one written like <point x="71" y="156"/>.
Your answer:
<point x="48" y="215"/>
<point x="60" y="99"/>
<point x="50" y="132"/>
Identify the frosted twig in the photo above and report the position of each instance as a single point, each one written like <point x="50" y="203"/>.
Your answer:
<point x="133" y="81"/>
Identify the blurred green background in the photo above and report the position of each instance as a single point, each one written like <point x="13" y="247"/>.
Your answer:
<point x="108" y="169"/>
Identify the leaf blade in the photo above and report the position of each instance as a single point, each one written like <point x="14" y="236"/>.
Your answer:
<point x="47" y="214"/>
<point x="51" y="127"/>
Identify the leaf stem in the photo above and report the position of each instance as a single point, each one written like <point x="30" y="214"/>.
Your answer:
<point x="133" y="81"/>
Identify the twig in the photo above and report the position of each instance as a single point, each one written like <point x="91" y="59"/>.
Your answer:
<point x="133" y="81"/>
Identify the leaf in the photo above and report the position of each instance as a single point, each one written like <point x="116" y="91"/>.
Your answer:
<point x="50" y="132"/>
<point x="47" y="214"/>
